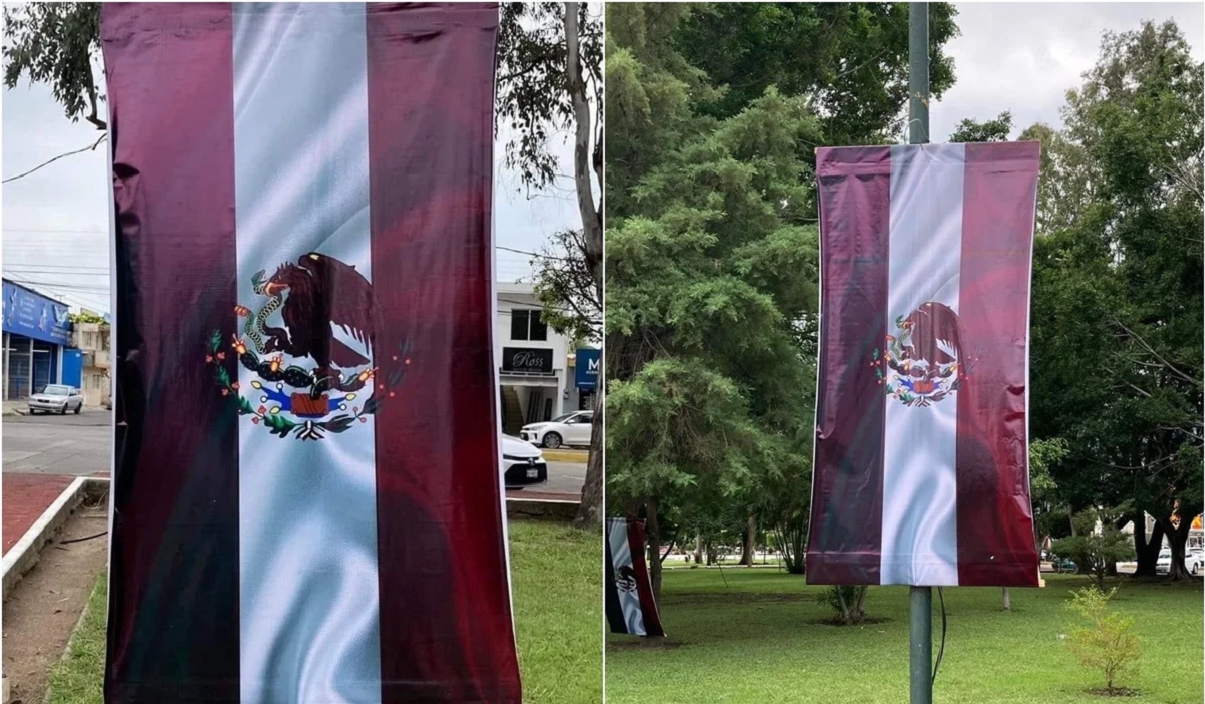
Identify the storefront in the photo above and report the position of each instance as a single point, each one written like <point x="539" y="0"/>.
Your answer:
<point x="585" y="376"/>
<point x="36" y="335"/>
<point x="531" y="387"/>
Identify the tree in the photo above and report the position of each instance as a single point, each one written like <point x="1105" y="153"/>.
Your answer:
<point x="550" y="79"/>
<point x="55" y="43"/>
<point x="711" y="281"/>
<point x="1107" y="641"/>
<point x="997" y="130"/>
<point x="1118" y="284"/>
<point x="849" y="59"/>
<point x="1098" y="542"/>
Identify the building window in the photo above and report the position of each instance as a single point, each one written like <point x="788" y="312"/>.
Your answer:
<point x="527" y="325"/>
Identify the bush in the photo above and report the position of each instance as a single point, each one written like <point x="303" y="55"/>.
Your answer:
<point x="1095" y="553"/>
<point x="847" y="603"/>
<point x="1107" y="642"/>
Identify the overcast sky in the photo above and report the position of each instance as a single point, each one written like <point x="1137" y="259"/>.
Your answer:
<point x="1018" y="57"/>
<point x="55" y="221"/>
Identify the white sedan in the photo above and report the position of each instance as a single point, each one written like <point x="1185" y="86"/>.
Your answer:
<point x="522" y="464"/>
<point x="1194" y="561"/>
<point x="56" y="398"/>
<point x="569" y="429"/>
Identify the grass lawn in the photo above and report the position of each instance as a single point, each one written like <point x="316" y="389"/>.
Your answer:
<point x="758" y="641"/>
<point x="558" y="615"/>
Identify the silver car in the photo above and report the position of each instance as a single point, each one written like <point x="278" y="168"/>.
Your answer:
<point x="56" y="398"/>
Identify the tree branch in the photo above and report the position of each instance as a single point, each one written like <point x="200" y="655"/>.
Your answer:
<point x="92" y="147"/>
<point x="1156" y="355"/>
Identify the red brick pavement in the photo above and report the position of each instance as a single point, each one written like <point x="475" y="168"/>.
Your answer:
<point x="26" y="496"/>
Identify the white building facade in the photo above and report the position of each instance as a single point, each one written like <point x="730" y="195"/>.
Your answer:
<point x="535" y="362"/>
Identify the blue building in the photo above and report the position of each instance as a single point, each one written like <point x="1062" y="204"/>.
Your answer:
<point x="37" y="339"/>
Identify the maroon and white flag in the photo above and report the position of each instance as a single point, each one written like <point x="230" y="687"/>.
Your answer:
<point x="306" y="490"/>
<point x="921" y="458"/>
<point x="629" y="603"/>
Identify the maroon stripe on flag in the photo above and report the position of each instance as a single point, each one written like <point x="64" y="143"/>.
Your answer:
<point x="644" y="586"/>
<point x="446" y="629"/>
<point x="173" y="632"/>
<point x="995" y="523"/>
<point x="844" y="538"/>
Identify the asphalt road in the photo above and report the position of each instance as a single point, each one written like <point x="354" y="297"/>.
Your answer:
<point x="563" y="478"/>
<point x="54" y="444"/>
<point x="79" y="445"/>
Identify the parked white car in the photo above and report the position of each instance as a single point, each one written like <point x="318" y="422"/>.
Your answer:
<point x="1194" y="561"/>
<point x="56" y="398"/>
<point x="522" y="463"/>
<point x="569" y="429"/>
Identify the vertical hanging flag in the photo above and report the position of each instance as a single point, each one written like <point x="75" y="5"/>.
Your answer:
<point x="629" y="599"/>
<point x="921" y="465"/>
<point x="306" y="503"/>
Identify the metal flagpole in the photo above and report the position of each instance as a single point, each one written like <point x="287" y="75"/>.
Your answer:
<point x="920" y="603"/>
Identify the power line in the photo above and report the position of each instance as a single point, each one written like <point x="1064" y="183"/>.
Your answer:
<point x="48" y="162"/>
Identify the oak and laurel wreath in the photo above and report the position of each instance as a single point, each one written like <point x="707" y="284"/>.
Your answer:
<point x="907" y="397"/>
<point x="278" y="424"/>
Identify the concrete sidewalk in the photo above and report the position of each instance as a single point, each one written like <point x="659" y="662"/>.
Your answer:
<point x="26" y="497"/>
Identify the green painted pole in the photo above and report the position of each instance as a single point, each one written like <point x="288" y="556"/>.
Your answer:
<point x="918" y="73"/>
<point x="920" y="603"/>
<point x="920" y="642"/>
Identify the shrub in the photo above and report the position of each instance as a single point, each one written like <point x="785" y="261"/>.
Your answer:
<point x="1095" y="553"/>
<point x="1105" y="641"/>
<point x="847" y="603"/>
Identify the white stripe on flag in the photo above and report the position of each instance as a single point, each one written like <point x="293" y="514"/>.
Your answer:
<point x="309" y="601"/>
<point x="621" y="553"/>
<point x="919" y="543"/>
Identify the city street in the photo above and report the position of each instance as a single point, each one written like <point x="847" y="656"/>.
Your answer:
<point x="79" y="445"/>
<point x="53" y="444"/>
<point x="563" y="478"/>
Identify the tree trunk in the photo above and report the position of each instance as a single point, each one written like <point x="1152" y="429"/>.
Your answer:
<point x="1146" y="551"/>
<point x="591" y="220"/>
<point x="859" y="609"/>
<point x="1005" y="601"/>
<point x="589" y="513"/>
<point x="1177" y="538"/>
<point x="652" y="532"/>
<point x="590" y="510"/>
<point x="749" y="542"/>
<point x="698" y="549"/>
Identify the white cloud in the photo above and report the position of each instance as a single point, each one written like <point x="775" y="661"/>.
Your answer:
<point x="1023" y="57"/>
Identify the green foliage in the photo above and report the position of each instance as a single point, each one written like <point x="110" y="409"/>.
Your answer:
<point x="571" y="298"/>
<point x="847" y="603"/>
<point x="1116" y="355"/>
<point x="55" y="43"/>
<point x="1107" y="642"/>
<point x="1097" y="543"/>
<point x="1050" y="518"/>
<point x="711" y="288"/>
<point x="849" y="59"/>
<point x="85" y="316"/>
<point x="533" y="96"/>
<point x="996" y="130"/>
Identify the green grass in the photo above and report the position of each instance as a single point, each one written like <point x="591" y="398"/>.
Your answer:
<point x="758" y="640"/>
<point x="79" y="676"/>
<point x="557" y="575"/>
<point x="558" y="616"/>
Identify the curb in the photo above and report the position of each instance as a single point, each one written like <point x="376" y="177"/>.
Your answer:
<point x="25" y="554"/>
<point x="541" y="509"/>
<point x="560" y="455"/>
